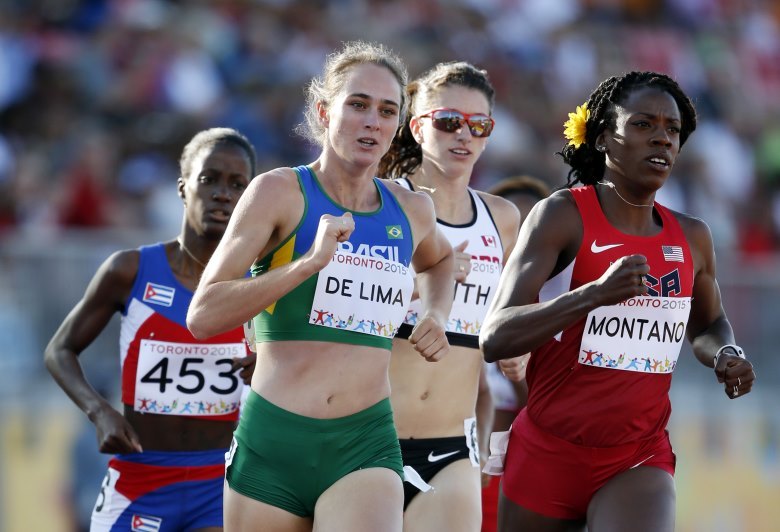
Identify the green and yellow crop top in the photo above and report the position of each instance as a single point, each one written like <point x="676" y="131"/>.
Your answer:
<point x="362" y="295"/>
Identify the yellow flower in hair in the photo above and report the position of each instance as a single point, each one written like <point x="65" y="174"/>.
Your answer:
<point x="574" y="127"/>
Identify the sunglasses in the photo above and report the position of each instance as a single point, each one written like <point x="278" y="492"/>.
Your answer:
<point x="451" y="120"/>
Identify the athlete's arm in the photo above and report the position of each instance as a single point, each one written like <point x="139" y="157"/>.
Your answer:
<point x="433" y="262"/>
<point x="485" y="413"/>
<point x="106" y="294"/>
<point x="267" y="212"/>
<point x="507" y="217"/>
<point x="514" y="369"/>
<point x="708" y="327"/>
<point x="548" y="241"/>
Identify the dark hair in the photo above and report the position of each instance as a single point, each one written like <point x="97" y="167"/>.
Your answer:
<point x="208" y="138"/>
<point x="587" y="163"/>
<point x="325" y="87"/>
<point x="405" y="154"/>
<point x="523" y="184"/>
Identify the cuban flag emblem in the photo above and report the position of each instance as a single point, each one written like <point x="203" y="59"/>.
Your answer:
<point x="159" y="294"/>
<point x="145" y="523"/>
<point x="489" y="240"/>
<point x="673" y="253"/>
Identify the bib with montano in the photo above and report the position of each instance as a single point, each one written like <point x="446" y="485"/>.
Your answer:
<point x="361" y="296"/>
<point x="642" y="334"/>
<point x="166" y="370"/>
<point x="472" y="297"/>
<point x="574" y="395"/>
<point x="645" y="333"/>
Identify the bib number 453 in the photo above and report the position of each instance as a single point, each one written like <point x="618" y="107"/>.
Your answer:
<point x="191" y="377"/>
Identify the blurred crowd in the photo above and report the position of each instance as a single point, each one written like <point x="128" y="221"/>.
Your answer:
<point x="97" y="97"/>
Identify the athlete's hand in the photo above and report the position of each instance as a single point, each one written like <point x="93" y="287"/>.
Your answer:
<point x="247" y="366"/>
<point x="462" y="262"/>
<point x="736" y="374"/>
<point x="514" y="368"/>
<point x="114" y="434"/>
<point x="623" y="280"/>
<point x="331" y="231"/>
<point x="429" y="339"/>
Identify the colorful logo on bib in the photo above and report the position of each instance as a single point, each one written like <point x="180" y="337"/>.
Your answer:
<point x="642" y="334"/>
<point x="361" y="293"/>
<point x="394" y="232"/>
<point x="643" y="364"/>
<point x="327" y="318"/>
<point x="148" y="405"/>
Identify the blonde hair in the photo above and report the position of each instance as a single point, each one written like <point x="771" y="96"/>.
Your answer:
<point x="324" y="88"/>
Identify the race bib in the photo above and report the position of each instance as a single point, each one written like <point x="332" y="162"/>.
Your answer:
<point x="187" y="379"/>
<point x="362" y="294"/>
<point x="472" y="298"/>
<point x="470" y="302"/>
<point x="641" y="334"/>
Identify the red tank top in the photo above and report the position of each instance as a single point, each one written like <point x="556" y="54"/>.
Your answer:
<point x="604" y="380"/>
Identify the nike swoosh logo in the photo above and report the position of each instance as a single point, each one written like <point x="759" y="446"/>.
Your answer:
<point x="595" y="248"/>
<point x="436" y="457"/>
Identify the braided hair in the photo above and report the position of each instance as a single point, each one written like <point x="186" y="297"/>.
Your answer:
<point x="405" y="155"/>
<point x="587" y="163"/>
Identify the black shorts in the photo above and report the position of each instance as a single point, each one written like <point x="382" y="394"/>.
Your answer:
<point x="428" y="456"/>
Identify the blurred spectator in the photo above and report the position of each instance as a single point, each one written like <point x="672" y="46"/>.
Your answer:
<point x="150" y="73"/>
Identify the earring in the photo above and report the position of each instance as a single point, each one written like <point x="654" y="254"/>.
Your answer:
<point x="601" y="148"/>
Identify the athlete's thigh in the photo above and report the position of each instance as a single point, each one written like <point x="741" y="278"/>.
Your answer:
<point x="370" y="499"/>
<point x="639" y="499"/>
<point x="514" y="518"/>
<point x="454" y="504"/>
<point x="242" y="514"/>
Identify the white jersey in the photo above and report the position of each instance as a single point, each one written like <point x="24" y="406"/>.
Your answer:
<point x="472" y="297"/>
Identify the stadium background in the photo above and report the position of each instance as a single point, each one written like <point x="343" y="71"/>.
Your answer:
<point x="98" y="97"/>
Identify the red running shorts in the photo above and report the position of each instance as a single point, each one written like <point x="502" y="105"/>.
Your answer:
<point x="557" y="478"/>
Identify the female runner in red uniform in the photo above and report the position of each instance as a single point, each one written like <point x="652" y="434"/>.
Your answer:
<point x="602" y="286"/>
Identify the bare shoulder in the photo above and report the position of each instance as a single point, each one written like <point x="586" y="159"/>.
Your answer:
<point x="113" y="282"/>
<point x="122" y="266"/>
<point x="419" y="209"/>
<point x="404" y="195"/>
<point x="271" y="197"/>
<point x="504" y="212"/>
<point x="559" y="205"/>
<point x="414" y="203"/>
<point x="695" y="229"/>
<point x="699" y="238"/>
<point x="277" y="181"/>
<point x="554" y="226"/>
